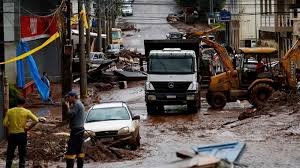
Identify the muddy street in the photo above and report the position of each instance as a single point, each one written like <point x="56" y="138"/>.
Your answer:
<point x="163" y="135"/>
<point x="149" y="17"/>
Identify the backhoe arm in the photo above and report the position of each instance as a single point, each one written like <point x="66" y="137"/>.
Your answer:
<point x="222" y="52"/>
<point x="289" y="65"/>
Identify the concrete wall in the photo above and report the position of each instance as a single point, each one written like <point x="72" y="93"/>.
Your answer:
<point x="47" y="60"/>
<point x="249" y="22"/>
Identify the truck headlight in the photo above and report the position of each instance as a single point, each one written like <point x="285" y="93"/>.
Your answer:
<point x="190" y="97"/>
<point x="124" y="130"/>
<point x="193" y="86"/>
<point x="151" y="97"/>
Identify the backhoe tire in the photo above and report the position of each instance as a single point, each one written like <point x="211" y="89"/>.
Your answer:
<point x="208" y="98"/>
<point x="260" y="93"/>
<point x="218" y="100"/>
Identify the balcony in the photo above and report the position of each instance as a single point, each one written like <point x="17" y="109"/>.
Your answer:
<point x="276" y="23"/>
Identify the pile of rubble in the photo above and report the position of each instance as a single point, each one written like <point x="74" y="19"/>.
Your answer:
<point x="125" y="26"/>
<point x="46" y="144"/>
<point x="277" y="103"/>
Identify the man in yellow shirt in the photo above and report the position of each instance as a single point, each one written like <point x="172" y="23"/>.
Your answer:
<point x="16" y="120"/>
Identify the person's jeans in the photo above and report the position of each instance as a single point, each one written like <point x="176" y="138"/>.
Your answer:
<point x="16" y="140"/>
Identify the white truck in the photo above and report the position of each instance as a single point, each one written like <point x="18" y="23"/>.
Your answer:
<point x="172" y="74"/>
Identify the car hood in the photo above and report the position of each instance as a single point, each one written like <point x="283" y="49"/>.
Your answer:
<point x="113" y="125"/>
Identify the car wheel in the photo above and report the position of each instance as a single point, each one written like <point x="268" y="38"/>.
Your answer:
<point x="136" y="141"/>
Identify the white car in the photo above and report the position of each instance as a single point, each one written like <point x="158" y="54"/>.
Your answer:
<point x="114" y="122"/>
<point x="127" y="10"/>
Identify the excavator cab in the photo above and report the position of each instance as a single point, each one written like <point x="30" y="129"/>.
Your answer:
<point x="256" y="63"/>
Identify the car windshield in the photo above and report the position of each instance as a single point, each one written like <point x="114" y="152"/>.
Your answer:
<point x="105" y="114"/>
<point x="116" y="35"/>
<point x="183" y="65"/>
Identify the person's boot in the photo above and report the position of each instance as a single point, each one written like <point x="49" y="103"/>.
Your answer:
<point x="70" y="163"/>
<point x="79" y="162"/>
<point x="21" y="165"/>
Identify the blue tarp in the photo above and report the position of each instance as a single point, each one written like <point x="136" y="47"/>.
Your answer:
<point x="20" y="68"/>
<point x="34" y="72"/>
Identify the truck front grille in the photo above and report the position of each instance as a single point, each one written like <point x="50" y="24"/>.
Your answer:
<point x="169" y="87"/>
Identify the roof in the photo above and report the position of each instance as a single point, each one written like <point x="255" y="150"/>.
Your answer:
<point x="108" y="105"/>
<point x="258" y="50"/>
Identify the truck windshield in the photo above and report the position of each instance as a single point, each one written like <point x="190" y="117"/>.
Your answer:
<point x="116" y="35"/>
<point x="171" y="65"/>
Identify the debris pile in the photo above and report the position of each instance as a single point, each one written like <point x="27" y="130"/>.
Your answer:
<point x="126" y="26"/>
<point x="173" y="18"/>
<point x="47" y="147"/>
<point x="100" y="152"/>
<point x="104" y="86"/>
<point x="277" y="103"/>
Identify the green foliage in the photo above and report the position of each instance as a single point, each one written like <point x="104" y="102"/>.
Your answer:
<point x="13" y="95"/>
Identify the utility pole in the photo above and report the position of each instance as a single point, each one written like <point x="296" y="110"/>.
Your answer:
<point x="104" y="28"/>
<point x="2" y="52"/>
<point x="99" y="26"/>
<point x="82" y="58"/>
<point x="67" y="52"/>
<point x="66" y="59"/>
<point x="109" y="23"/>
<point x="88" y="30"/>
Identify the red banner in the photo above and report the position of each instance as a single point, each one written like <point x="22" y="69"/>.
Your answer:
<point x="34" y="27"/>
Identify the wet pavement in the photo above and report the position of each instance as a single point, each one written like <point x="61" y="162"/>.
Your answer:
<point x="165" y="134"/>
<point x="149" y="18"/>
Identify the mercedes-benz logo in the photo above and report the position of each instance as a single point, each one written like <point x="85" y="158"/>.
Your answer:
<point x="171" y="85"/>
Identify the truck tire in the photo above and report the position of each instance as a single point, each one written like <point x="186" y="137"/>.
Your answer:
<point x="260" y="93"/>
<point x="218" y="100"/>
<point x="154" y="109"/>
<point x="192" y="108"/>
<point x="151" y="109"/>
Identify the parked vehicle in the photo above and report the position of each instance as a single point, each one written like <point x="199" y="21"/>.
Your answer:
<point x="113" y="50"/>
<point x="114" y="122"/>
<point x="173" y="77"/>
<point x="127" y="10"/>
<point x="95" y="60"/>
<point x="117" y="36"/>
<point x="175" y="35"/>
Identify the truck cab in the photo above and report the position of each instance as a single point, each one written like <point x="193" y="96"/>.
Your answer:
<point x="172" y="80"/>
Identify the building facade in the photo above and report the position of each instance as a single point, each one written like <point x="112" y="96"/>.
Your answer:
<point x="47" y="59"/>
<point x="276" y="26"/>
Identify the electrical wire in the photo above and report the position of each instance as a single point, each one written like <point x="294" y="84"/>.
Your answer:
<point x="51" y="14"/>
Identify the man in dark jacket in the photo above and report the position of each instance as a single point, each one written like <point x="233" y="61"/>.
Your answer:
<point x="76" y="117"/>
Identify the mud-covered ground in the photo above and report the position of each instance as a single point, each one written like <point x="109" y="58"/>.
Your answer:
<point x="272" y="140"/>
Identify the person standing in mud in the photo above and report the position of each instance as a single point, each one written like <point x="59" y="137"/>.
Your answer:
<point x="15" y="120"/>
<point x="76" y="116"/>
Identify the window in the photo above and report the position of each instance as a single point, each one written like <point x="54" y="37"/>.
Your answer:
<point x="106" y="114"/>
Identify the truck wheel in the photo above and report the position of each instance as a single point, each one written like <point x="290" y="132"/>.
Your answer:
<point x="192" y="108"/>
<point x="218" y="100"/>
<point x="151" y="109"/>
<point x="260" y="93"/>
